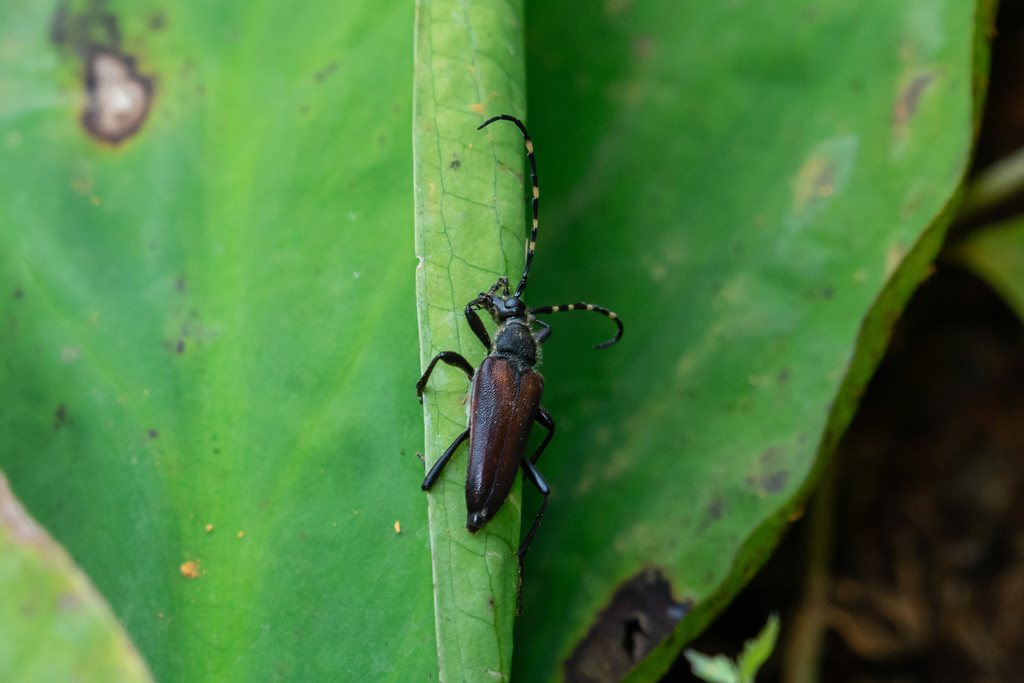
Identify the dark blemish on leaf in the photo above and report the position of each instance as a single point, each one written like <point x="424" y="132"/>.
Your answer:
<point x="157" y="21"/>
<point x="641" y="613"/>
<point x="783" y="376"/>
<point x="769" y="475"/>
<point x="325" y="72"/>
<point x="60" y="417"/>
<point x="119" y="97"/>
<point x="715" y="507"/>
<point x="216" y="450"/>
<point x="828" y="293"/>
<point x="775" y="482"/>
<point x="19" y="293"/>
<point x="179" y="285"/>
<point x="175" y="345"/>
<point x="455" y="165"/>
<point x="93" y="26"/>
<point x="907" y="101"/>
<point x="151" y="434"/>
<point x="632" y="634"/>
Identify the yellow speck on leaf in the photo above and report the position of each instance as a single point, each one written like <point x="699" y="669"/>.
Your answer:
<point x="209" y="528"/>
<point x="241" y="533"/>
<point x="398" y="528"/>
<point x="190" y="570"/>
<point x="477" y="108"/>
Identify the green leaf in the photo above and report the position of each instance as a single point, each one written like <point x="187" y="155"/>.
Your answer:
<point x="996" y="255"/>
<point x="212" y="322"/>
<point x="721" y="669"/>
<point x="54" y="626"/>
<point x="758" y="649"/>
<point x="756" y="190"/>
<point x="717" y="669"/>
<point x="469" y="231"/>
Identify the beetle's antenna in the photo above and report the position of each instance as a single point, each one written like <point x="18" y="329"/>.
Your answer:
<point x="581" y="306"/>
<point x="536" y="193"/>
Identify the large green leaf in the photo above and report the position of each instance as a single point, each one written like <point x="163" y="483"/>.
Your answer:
<point x="54" y="626"/>
<point x="212" y="322"/>
<point x="756" y="188"/>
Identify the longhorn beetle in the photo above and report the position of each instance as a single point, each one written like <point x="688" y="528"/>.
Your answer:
<point x="506" y="389"/>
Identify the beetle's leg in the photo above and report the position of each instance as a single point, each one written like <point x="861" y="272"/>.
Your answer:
<point x="581" y="306"/>
<point x="537" y="479"/>
<point x="544" y="418"/>
<point x="435" y="471"/>
<point x="476" y="324"/>
<point x="449" y="357"/>
<point x="543" y="334"/>
<point x="501" y="284"/>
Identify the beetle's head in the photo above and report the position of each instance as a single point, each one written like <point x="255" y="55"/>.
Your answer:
<point x="504" y="309"/>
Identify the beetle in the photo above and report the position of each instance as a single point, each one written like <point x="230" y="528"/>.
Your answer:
<point x="506" y="390"/>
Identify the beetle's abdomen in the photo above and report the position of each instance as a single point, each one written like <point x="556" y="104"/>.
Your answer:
<point x="503" y="409"/>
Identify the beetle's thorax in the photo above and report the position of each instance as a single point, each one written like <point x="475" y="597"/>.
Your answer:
<point x="514" y="340"/>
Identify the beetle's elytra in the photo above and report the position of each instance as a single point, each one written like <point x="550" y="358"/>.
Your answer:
<point x="506" y="390"/>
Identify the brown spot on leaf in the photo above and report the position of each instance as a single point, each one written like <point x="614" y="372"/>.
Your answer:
<point x="640" y="614"/>
<point x="817" y="178"/>
<point x="119" y="97"/>
<point x="769" y="475"/>
<point x="190" y="569"/>
<point x="909" y="97"/>
<point x="455" y="165"/>
<point x="69" y="602"/>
